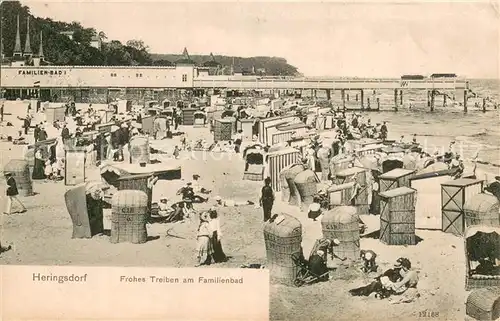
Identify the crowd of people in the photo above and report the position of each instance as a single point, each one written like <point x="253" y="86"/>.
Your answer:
<point x="114" y="146"/>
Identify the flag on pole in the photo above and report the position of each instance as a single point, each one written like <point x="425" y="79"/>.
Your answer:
<point x="36" y="83"/>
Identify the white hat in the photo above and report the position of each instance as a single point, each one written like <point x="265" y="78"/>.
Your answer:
<point x="320" y="252"/>
<point x="124" y="125"/>
<point x="336" y="241"/>
<point x="218" y="198"/>
<point x="114" y="128"/>
<point x="368" y="256"/>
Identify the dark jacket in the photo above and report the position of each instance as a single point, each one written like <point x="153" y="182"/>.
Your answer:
<point x="12" y="187"/>
<point x="65" y="133"/>
<point x="42" y="135"/>
<point x="267" y="194"/>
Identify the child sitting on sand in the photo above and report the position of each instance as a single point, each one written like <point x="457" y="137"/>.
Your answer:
<point x="176" y="152"/>
<point x="164" y="208"/>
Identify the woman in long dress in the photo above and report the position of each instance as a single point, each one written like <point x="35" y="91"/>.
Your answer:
<point x="219" y="255"/>
<point x="39" y="166"/>
<point x="204" y="246"/>
<point x="60" y="149"/>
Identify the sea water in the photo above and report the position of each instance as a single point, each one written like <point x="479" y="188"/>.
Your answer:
<point x="473" y="131"/>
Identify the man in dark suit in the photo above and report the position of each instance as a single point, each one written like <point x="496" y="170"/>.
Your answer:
<point x="267" y="199"/>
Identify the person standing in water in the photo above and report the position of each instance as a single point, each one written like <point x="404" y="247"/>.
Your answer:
<point x="267" y="199"/>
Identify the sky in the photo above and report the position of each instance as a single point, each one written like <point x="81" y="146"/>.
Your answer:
<point x="321" y="39"/>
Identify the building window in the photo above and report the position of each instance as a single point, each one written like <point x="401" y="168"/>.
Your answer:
<point x="113" y="74"/>
<point x="184" y="78"/>
<point x="138" y="75"/>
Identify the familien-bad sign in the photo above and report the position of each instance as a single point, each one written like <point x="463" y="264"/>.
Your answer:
<point x="40" y="72"/>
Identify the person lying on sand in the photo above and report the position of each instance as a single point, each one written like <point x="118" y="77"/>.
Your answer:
<point x="396" y="281"/>
<point x="179" y="213"/>
<point x="230" y="203"/>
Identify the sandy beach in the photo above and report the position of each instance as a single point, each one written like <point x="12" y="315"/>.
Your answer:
<point x="42" y="235"/>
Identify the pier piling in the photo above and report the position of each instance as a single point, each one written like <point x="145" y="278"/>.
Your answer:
<point x="465" y="101"/>
<point x="395" y="99"/>
<point x="362" y="99"/>
<point x="401" y="97"/>
<point x="433" y="95"/>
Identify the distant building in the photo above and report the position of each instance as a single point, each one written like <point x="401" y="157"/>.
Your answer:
<point x="96" y="42"/>
<point x="213" y="67"/>
<point x="68" y="34"/>
<point x="238" y="71"/>
<point x="185" y="60"/>
<point x="203" y="71"/>
<point x="261" y="71"/>
<point x="26" y="58"/>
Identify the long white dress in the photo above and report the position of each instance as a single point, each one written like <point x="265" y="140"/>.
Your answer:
<point x="60" y="150"/>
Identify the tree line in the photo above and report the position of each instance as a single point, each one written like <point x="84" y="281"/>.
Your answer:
<point x="59" y="49"/>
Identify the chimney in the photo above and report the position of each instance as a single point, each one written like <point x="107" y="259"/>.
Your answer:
<point x="27" y="46"/>
<point x="17" y="47"/>
<point x="40" y="50"/>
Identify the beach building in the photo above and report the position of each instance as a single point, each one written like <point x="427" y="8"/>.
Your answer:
<point x="28" y="76"/>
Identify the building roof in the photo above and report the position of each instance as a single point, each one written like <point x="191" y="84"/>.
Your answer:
<point x="185" y="60"/>
<point x="211" y="62"/>
<point x="17" y="46"/>
<point x="40" y="49"/>
<point x="27" y="45"/>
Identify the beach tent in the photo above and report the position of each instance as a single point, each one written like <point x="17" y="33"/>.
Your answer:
<point x="276" y="161"/>
<point x="254" y="164"/>
<point x="86" y="212"/>
<point x="390" y="164"/>
<point x="123" y="106"/>
<point x="150" y="104"/>
<point x="168" y="111"/>
<point x="494" y="188"/>
<point x="285" y="132"/>
<point x="200" y="119"/>
<point x="246" y="126"/>
<point x="482" y="246"/>
<point x="428" y="206"/>
<point x="166" y="103"/>
<point x="272" y="121"/>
